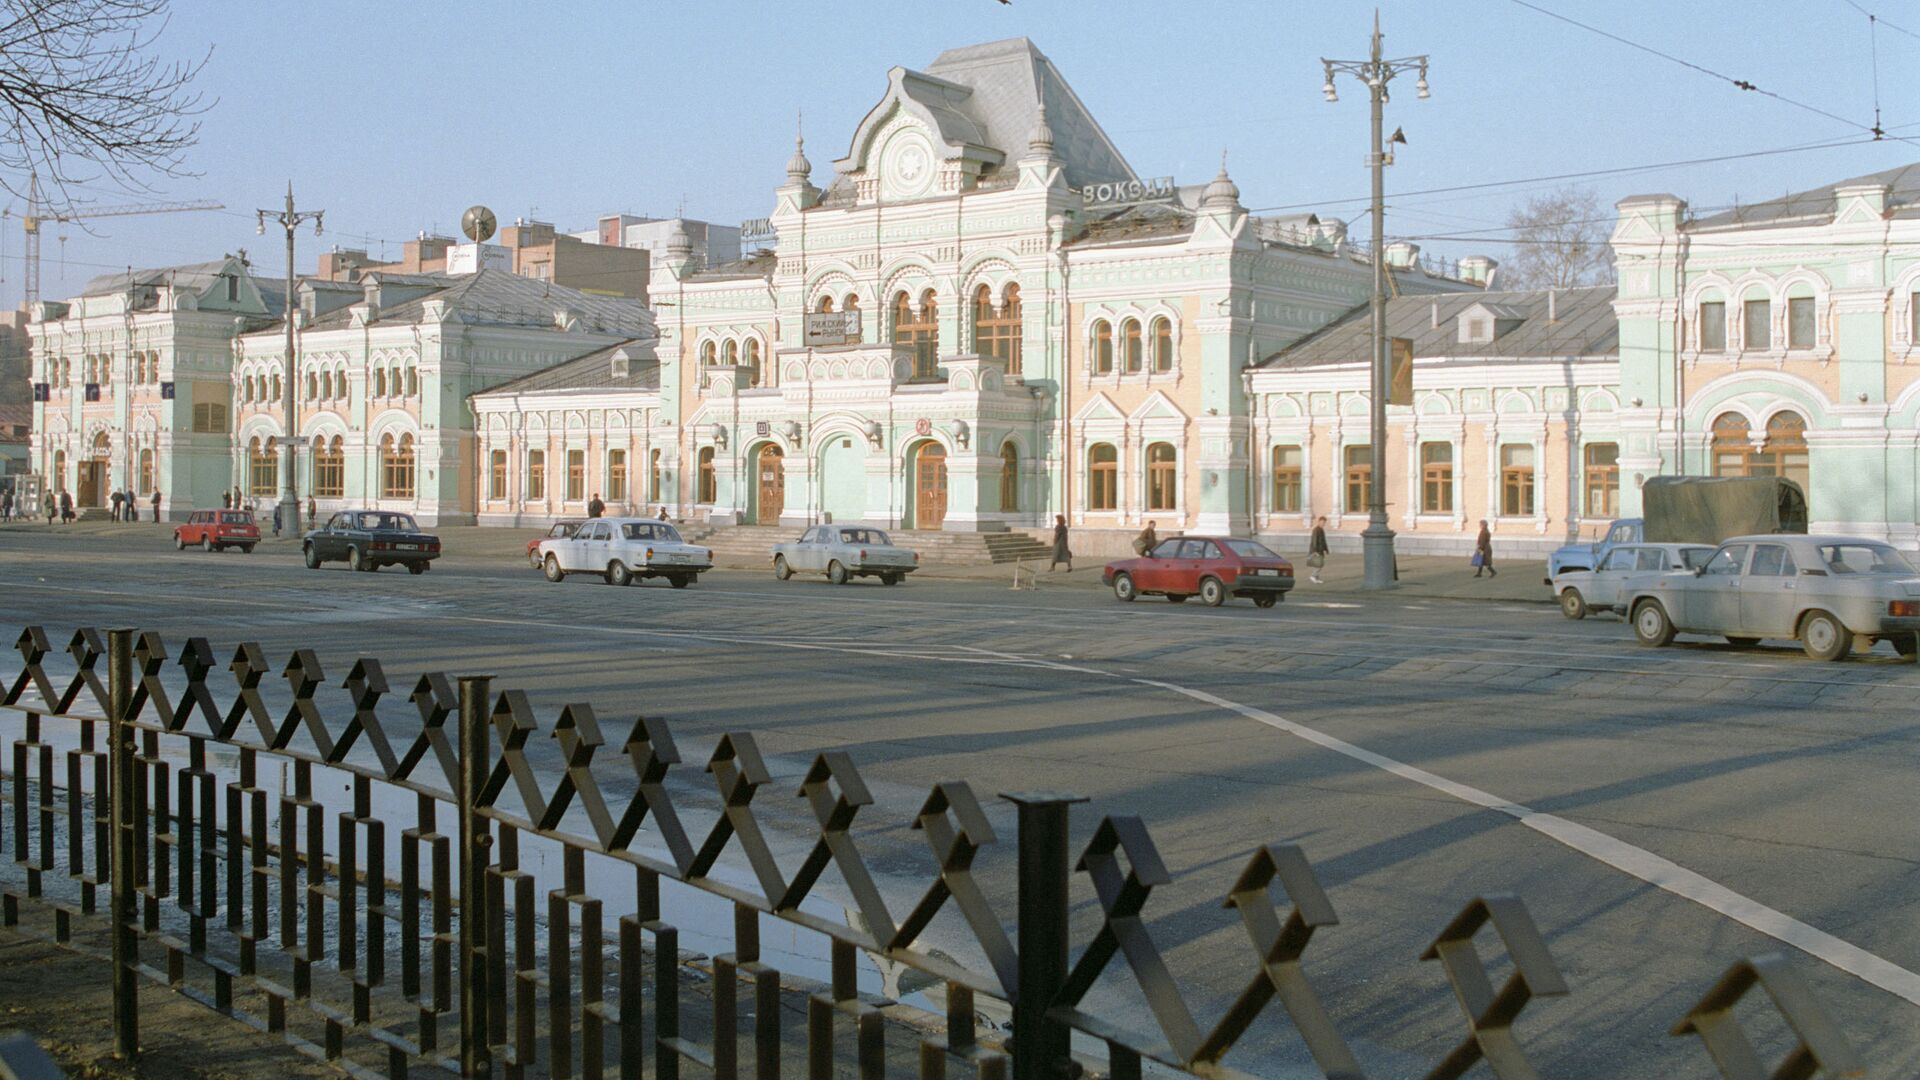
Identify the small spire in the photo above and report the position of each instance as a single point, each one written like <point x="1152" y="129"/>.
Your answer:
<point x="1040" y="141"/>
<point x="1222" y="192"/>
<point x="799" y="169"/>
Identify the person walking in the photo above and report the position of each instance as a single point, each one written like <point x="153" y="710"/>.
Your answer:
<point x="52" y="509"/>
<point x="6" y="505"/>
<point x="1483" y="552"/>
<point x="1148" y="539"/>
<point x="132" y="506"/>
<point x="236" y="498"/>
<point x="1317" y="550"/>
<point x="115" y="514"/>
<point x="1061" y="553"/>
<point x="66" y="508"/>
<point x="276" y="519"/>
<point x="313" y="514"/>
<point x="156" y="504"/>
<point x="595" y="507"/>
<point x="663" y="511"/>
<point x="226" y="501"/>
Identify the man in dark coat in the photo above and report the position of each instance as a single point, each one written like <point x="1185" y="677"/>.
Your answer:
<point x="1148" y="539"/>
<point x="1317" y="550"/>
<point x="226" y="501"/>
<point x="66" y="507"/>
<point x="156" y="504"/>
<point x="595" y="507"/>
<point x="1483" y="551"/>
<point x="117" y="499"/>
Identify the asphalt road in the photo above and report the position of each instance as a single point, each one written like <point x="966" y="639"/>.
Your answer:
<point x="1661" y="812"/>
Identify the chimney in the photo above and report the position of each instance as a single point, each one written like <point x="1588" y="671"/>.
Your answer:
<point x="1436" y="314"/>
<point x="1553" y="314"/>
<point x="1478" y="269"/>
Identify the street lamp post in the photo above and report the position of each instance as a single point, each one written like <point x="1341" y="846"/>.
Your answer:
<point x="290" y="219"/>
<point x="1377" y="540"/>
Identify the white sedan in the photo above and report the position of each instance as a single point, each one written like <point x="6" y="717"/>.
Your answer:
<point x="622" y="551"/>
<point x="844" y="552"/>
<point x="1585" y="591"/>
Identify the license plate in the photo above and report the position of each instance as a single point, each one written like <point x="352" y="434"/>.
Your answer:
<point x="1267" y="573"/>
<point x="407" y="547"/>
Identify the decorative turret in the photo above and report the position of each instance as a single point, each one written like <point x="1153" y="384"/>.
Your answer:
<point x="799" y="169"/>
<point x="798" y="193"/>
<point x="1222" y="193"/>
<point x="679" y="245"/>
<point x="1040" y="140"/>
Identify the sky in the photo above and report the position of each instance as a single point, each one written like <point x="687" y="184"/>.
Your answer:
<point x="394" y="117"/>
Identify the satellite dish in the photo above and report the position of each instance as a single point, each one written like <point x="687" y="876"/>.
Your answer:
<point x="478" y="223"/>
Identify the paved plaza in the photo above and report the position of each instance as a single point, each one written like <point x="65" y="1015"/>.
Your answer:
<point x="1662" y="812"/>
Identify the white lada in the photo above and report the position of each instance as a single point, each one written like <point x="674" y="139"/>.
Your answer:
<point x="622" y="551"/>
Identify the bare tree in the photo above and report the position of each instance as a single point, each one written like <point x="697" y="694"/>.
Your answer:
<point x="81" y="93"/>
<point x="1559" y="241"/>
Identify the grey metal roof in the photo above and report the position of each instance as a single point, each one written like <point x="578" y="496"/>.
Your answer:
<point x="1146" y="221"/>
<point x="499" y="298"/>
<point x="198" y="276"/>
<point x="760" y="264"/>
<point x="593" y="371"/>
<point x="1584" y="325"/>
<point x="1817" y="205"/>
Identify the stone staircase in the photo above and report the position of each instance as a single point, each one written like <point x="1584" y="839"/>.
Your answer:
<point x="752" y="545"/>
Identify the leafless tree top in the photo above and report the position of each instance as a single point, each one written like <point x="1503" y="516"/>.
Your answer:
<point x="82" y="94"/>
<point x="1559" y="241"/>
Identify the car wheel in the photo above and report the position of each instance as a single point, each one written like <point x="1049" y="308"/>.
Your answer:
<point x="680" y="581"/>
<point x="356" y="561"/>
<point x="836" y="573"/>
<point x="1822" y="636"/>
<point x="552" y="568"/>
<point x="781" y="571"/>
<point x="1123" y="589"/>
<point x="1906" y="644"/>
<point x="1212" y="593"/>
<point x="618" y="574"/>
<point x="892" y="579"/>
<point x="533" y="559"/>
<point x="1573" y="605"/>
<point x="1176" y="598"/>
<point x="246" y="549"/>
<point x="206" y="543"/>
<point x="1651" y="625"/>
<point x="179" y="544"/>
<point x="416" y="569"/>
<point x="1743" y="642"/>
<point x="1265" y="601"/>
<point x="313" y="557"/>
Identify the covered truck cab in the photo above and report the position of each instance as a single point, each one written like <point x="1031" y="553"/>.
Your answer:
<point x="1708" y="509"/>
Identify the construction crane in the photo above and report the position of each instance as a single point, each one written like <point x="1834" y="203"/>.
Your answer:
<point x="38" y="212"/>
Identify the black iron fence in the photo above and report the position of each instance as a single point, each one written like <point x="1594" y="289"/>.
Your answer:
<point x="150" y="787"/>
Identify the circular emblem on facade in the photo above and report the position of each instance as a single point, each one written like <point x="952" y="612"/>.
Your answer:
<point x="923" y="426"/>
<point x="909" y="164"/>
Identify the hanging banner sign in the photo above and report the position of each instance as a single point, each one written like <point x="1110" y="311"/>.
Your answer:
<point x="1128" y="192"/>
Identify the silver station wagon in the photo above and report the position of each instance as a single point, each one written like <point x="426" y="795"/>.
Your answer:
<point x="1582" y="591"/>
<point x="844" y="552"/>
<point x="622" y="551"/>
<point x="1830" y="593"/>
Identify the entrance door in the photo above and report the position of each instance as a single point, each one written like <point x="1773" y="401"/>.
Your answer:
<point x="93" y="484"/>
<point x="930" y="485"/>
<point x="771" y="465"/>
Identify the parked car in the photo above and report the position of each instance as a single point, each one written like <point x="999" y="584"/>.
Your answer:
<point x="560" y="531"/>
<point x="1583" y="591"/>
<point x="1695" y="510"/>
<point x="217" y="530"/>
<point x="370" y="539"/>
<point x="1586" y="556"/>
<point x="625" y="550"/>
<point x="845" y="552"/>
<point x="1826" y="592"/>
<point x="1210" y="567"/>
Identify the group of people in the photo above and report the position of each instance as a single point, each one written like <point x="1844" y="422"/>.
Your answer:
<point x="125" y="505"/>
<point x="1317" y="549"/>
<point x="597" y="508"/>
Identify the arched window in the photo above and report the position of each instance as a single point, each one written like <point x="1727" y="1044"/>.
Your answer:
<point x="260" y="467"/>
<point x="1163" y="489"/>
<point x="393" y="380"/>
<point x="1286" y="479"/>
<point x="413" y="381"/>
<point x="709" y="356"/>
<point x="1516" y="480"/>
<point x="707" y="489"/>
<point x="329" y="468"/>
<point x="396" y="467"/>
<point x="496" y="474"/>
<point x="59" y="470"/>
<point x="1009" y="477"/>
<point x="919" y="330"/>
<point x="653" y="476"/>
<point x="1436" y="478"/>
<point x="617" y="476"/>
<point x="825" y="307"/>
<point x="379" y="382"/>
<point x="733" y="352"/>
<point x="276" y="388"/>
<point x="313" y="386"/>
<point x="536" y="476"/>
<point x="753" y="361"/>
<point x="146" y="471"/>
<point x="1163" y="344"/>
<point x="852" y="304"/>
<point x="996" y="332"/>
<point x="1103" y="477"/>
<point x="1712" y="320"/>
<point x="326" y="386"/>
<point x="1135" y="353"/>
<point x="1102" y="347"/>
<point x="1783" y="453"/>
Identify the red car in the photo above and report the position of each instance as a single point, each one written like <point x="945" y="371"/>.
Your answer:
<point x="217" y="529"/>
<point x="1210" y="567"/>
<point x="562" y="529"/>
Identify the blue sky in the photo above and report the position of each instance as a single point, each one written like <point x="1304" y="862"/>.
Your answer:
<point x="396" y="116"/>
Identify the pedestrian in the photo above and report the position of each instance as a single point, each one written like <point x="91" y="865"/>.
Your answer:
<point x="1317" y="550"/>
<point x="1147" y="540"/>
<point x="6" y="506"/>
<point x="236" y="498"/>
<point x="117" y="497"/>
<point x="595" y="507"/>
<point x="66" y="508"/>
<point x="663" y="511"/>
<point x="51" y="510"/>
<point x="226" y="501"/>
<point x="1483" y="552"/>
<point x="1061" y="554"/>
<point x="132" y="506"/>
<point x="276" y="519"/>
<point x="313" y="514"/>
<point x="156" y="504"/>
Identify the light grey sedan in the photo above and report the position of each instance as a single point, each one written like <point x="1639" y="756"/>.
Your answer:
<point x="844" y="552"/>
<point x="1583" y="591"/>
<point x="1830" y="593"/>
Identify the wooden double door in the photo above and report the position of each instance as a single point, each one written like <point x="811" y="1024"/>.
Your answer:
<point x="770" y="474"/>
<point x="930" y="485"/>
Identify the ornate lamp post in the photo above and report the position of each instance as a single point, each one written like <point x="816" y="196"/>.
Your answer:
<point x="290" y="219"/>
<point x="1377" y="540"/>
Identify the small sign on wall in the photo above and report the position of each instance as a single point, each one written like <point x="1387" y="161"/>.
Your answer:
<point x="923" y="426"/>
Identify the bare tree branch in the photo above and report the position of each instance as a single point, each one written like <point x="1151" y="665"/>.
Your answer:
<point x="1559" y="241"/>
<point x="81" y="92"/>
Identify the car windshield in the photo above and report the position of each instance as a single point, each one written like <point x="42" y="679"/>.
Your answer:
<point x="1168" y="549"/>
<point x="564" y="529"/>
<point x="386" y="523"/>
<point x="864" y="536"/>
<point x="1864" y="558"/>
<point x="1696" y="557"/>
<point x="232" y="518"/>
<point x="1247" y="549"/>
<point x="650" y="530"/>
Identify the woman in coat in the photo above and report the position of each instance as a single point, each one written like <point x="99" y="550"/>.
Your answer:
<point x="1061" y="554"/>
<point x="1483" y="552"/>
<point x="1317" y="550"/>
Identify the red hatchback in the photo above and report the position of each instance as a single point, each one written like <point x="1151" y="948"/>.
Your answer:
<point x="1210" y="567"/>
<point x="216" y="529"/>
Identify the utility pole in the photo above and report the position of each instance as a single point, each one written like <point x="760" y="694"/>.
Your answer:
<point x="1377" y="540"/>
<point x="290" y="219"/>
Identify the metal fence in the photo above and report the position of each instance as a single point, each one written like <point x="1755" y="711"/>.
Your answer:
<point x="277" y="921"/>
